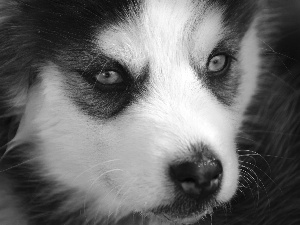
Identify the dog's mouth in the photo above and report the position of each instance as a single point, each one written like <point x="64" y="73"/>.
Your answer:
<point x="195" y="197"/>
<point x="185" y="212"/>
<point x="188" y="219"/>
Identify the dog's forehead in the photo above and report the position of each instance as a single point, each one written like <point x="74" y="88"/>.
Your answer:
<point x="133" y="31"/>
<point x="168" y="29"/>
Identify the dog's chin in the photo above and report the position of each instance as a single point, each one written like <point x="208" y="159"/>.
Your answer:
<point x="183" y="213"/>
<point x="185" y="209"/>
<point x="188" y="219"/>
<point x="172" y="218"/>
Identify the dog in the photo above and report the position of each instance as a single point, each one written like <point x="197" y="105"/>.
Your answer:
<point x="147" y="112"/>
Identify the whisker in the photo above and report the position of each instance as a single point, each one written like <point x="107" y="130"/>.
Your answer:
<point x="262" y="171"/>
<point x="258" y="181"/>
<point x="95" y="166"/>
<point x="247" y="180"/>
<point x="20" y="164"/>
<point x="257" y="154"/>
<point x="94" y="182"/>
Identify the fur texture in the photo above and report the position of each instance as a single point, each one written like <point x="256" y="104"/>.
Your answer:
<point x="78" y="152"/>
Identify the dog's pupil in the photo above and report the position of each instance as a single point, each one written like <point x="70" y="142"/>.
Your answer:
<point x="218" y="63"/>
<point x="107" y="75"/>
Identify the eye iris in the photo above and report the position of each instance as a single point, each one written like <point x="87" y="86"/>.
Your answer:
<point x="217" y="63"/>
<point x="109" y="77"/>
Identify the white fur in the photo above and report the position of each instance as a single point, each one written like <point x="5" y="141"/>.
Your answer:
<point x="250" y="64"/>
<point x="122" y="163"/>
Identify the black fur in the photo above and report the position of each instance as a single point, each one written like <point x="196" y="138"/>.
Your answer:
<point x="269" y="145"/>
<point x="39" y="31"/>
<point x="61" y="32"/>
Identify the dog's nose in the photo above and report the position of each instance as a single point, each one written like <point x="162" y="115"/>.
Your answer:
<point x="199" y="179"/>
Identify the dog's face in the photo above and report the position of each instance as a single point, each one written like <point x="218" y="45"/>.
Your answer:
<point x="126" y="92"/>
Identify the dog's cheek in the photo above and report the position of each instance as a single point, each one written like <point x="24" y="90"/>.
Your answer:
<point x="150" y="137"/>
<point x="125" y="158"/>
<point x="250" y="64"/>
<point x="69" y="146"/>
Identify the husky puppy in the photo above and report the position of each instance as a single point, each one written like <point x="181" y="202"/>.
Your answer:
<point x="145" y="112"/>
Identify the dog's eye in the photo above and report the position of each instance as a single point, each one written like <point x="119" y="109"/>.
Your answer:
<point x="218" y="63"/>
<point x="109" y="77"/>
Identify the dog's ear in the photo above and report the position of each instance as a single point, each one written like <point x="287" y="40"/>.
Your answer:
<point x="16" y="69"/>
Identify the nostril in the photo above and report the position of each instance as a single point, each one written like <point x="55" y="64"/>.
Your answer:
<point x="198" y="179"/>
